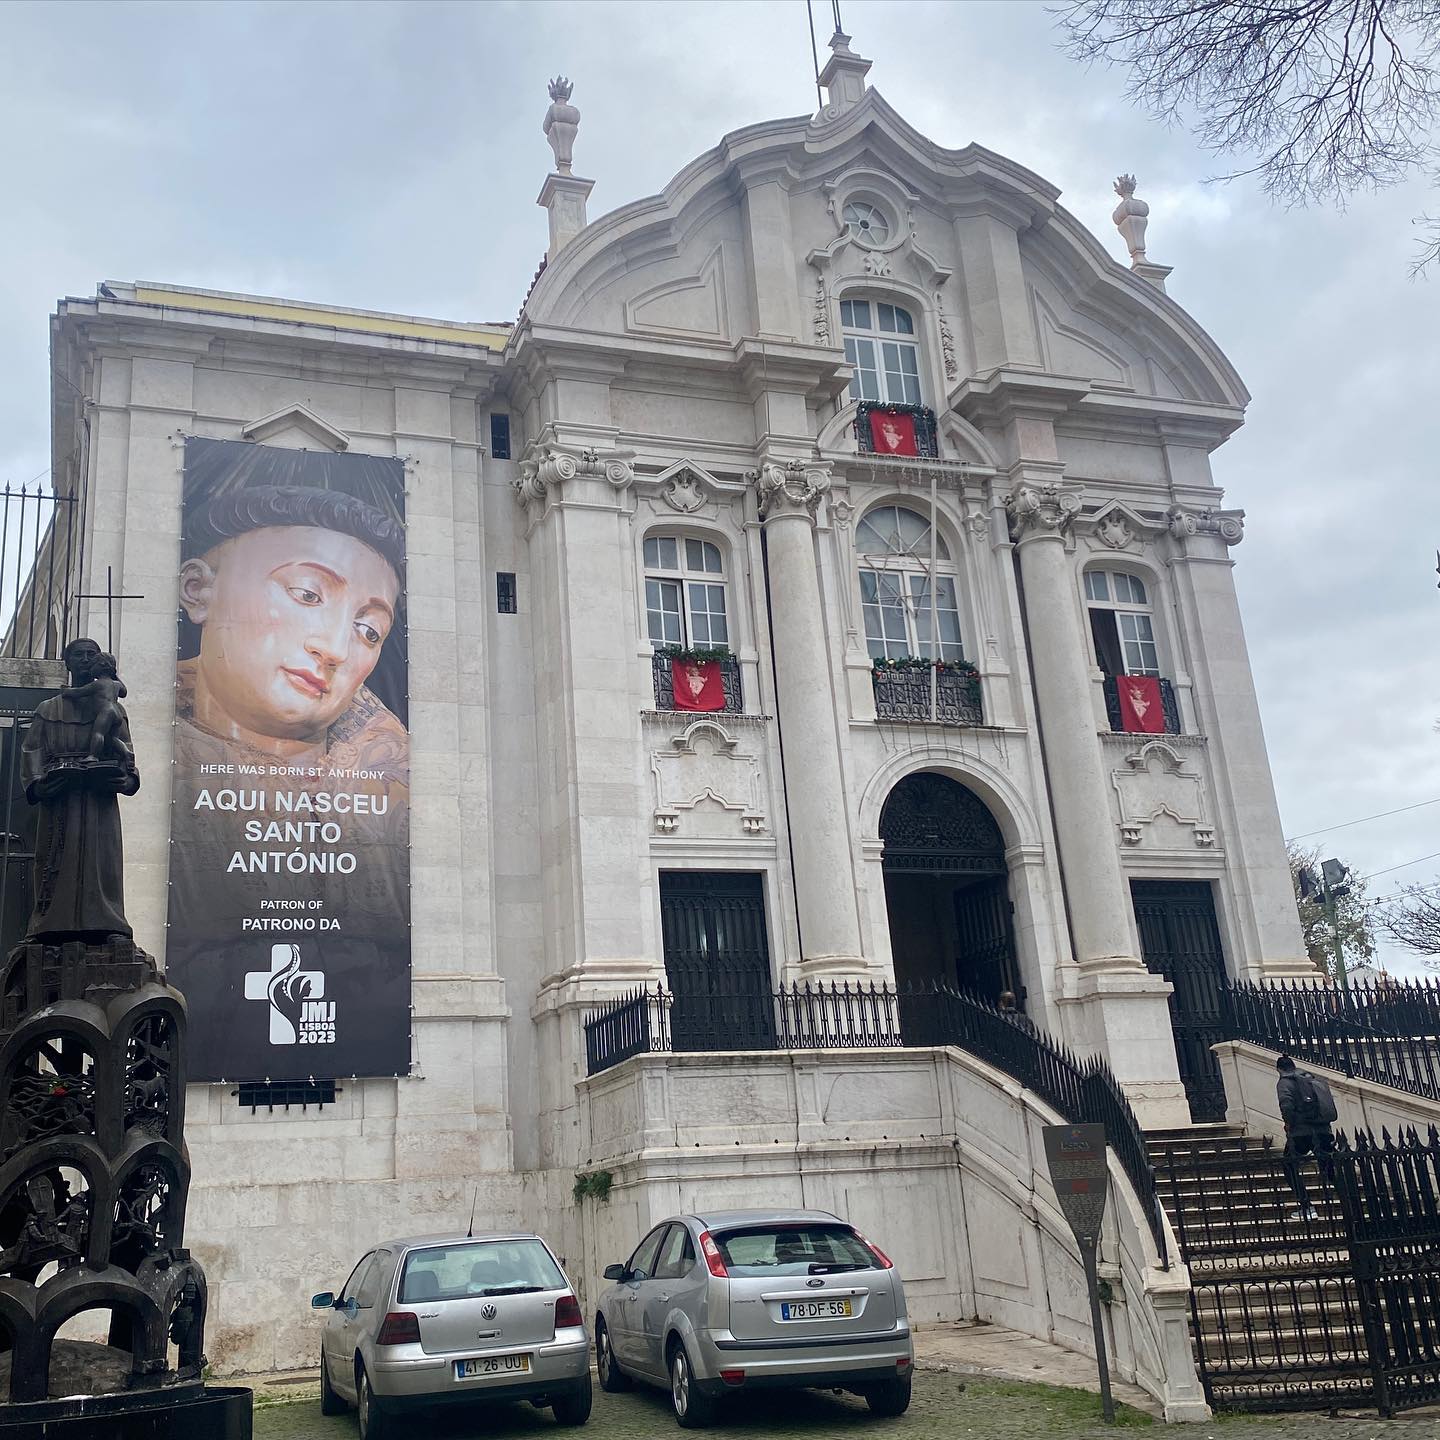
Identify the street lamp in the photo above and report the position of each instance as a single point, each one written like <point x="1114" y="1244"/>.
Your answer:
<point x="1333" y="884"/>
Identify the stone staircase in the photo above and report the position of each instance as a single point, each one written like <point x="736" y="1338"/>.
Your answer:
<point x="1276" y="1320"/>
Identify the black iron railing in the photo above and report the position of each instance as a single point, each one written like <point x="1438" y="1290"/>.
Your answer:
<point x="662" y="670"/>
<point x="41" y="559"/>
<point x="1340" y="1306"/>
<point x="906" y="695"/>
<point x="1167" y="703"/>
<point x="1388" y="1034"/>
<point x="856" y="1016"/>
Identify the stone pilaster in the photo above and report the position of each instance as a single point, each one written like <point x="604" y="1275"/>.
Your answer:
<point x="1122" y="1010"/>
<point x="824" y="873"/>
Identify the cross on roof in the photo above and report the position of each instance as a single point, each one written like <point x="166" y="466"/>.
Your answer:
<point x="110" y="597"/>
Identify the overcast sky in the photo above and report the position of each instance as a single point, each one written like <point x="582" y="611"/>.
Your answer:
<point x="388" y="157"/>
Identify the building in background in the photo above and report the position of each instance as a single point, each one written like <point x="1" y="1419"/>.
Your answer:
<point x="823" y="581"/>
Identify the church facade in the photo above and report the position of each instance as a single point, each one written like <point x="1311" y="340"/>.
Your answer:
<point x="823" y="582"/>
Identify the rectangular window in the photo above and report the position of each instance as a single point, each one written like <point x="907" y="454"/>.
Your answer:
<point x="499" y="437"/>
<point x="855" y="314"/>
<point x="1096" y="587"/>
<point x="662" y="611"/>
<point x="883" y="603"/>
<point x="865" y="383"/>
<point x="902" y="374"/>
<point x="505" y="599"/>
<point x="707" y="616"/>
<point x="1138" y="639"/>
<point x="947" y="617"/>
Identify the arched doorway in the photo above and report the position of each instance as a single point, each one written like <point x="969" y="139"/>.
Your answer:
<point x="946" y="888"/>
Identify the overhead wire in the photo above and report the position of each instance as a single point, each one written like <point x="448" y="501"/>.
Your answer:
<point x="1380" y="815"/>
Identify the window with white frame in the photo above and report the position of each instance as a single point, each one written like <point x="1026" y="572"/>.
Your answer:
<point x="685" y="593"/>
<point x="906" y="598"/>
<point x="881" y="347"/>
<point x="1121" y="624"/>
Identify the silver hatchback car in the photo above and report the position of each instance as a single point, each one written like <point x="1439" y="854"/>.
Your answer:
<point x="453" y="1319"/>
<point x="740" y="1299"/>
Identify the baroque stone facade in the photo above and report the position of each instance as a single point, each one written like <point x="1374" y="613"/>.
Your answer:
<point x="683" y="468"/>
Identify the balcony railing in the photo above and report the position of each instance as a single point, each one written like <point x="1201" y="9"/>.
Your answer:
<point x="905" y="695"/>
<point x="922" y="417"/>
<point x="1167" y="704"/>
<point x="854" y="1016"/>
<point x="661" y="669"/>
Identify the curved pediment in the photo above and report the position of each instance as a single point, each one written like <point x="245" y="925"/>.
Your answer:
<point x="706" y="259"/>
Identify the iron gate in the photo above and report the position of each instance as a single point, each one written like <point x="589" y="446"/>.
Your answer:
<point x="17" y="818"/>
<point x="717" y="960"/>
<point x="1180" y="940"/>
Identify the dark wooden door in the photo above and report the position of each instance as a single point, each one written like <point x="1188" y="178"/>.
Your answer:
<point x="1179" y="939"/>
<point x="985" y="941"/>
<point x="717" y="960"/>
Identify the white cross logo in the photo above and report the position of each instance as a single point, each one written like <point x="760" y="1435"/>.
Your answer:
<point x="286" y="986"/>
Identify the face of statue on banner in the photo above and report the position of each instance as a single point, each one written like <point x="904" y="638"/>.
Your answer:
<point x="292" y="621"/>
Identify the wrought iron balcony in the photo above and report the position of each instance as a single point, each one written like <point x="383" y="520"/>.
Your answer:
<point x="904" y="695"/>
<point x="661" y="665"/>
<point x="926" y="445"/>
<point x="1167" y="703"/>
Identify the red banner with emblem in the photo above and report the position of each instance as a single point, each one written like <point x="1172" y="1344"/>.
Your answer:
<point x="696" y="685"/>
<point x="1140" y="707"/>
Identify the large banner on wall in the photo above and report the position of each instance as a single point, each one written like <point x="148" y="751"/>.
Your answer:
<point x="289" y="860"/>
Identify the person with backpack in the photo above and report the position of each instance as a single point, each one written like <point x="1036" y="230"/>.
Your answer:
<point x="1308" y="1109"/>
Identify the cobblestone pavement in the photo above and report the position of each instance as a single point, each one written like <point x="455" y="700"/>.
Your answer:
<point x="944" y="1405"/>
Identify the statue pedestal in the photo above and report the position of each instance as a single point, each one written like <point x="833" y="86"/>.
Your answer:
<point x="181" y="1413"/>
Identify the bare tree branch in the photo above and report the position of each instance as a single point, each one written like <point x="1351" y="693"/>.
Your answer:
<point x="1323" y="97"/>
<point x="1414" y="920"/>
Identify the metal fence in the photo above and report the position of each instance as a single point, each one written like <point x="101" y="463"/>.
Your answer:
<point x="1389" y="1034"/>
<point x="867" y="1016"/>
<point x="1338" y="1307"/>
<point x="40" y="566"/>
<point x="925" y="695"/>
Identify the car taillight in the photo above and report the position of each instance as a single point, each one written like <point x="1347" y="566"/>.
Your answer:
<point x="885" y="1261"/>
<point x="714" y="1262"/>
<point x="400" y="1327"/>
<point x="567" y="1313"/>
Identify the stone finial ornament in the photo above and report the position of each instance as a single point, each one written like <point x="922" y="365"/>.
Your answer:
<point x="1131" y="217"/>
<point x="562" y="121"/>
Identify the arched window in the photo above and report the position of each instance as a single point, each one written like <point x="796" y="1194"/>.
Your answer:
<point x="880" y="346"/>
<point x="894" y="545"/>
<point x="1120" y="623"/>
<point x="685" y="593"/>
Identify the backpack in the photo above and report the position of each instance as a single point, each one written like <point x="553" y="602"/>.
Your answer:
<point x="1314" y="1104"/>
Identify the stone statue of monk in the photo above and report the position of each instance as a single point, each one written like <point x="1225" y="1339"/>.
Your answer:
<point x="79" y="859"/>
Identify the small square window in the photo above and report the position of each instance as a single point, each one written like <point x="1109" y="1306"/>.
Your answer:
<point x="506" y="600"/>
<point x="1095" y="586"/>
<point x="499" y="437"/>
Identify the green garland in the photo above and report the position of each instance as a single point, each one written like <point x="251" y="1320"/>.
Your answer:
<point x="920" y="662"/>
<point x="681" y="652"/>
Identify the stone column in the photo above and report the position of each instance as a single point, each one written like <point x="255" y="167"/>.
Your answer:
<point x="823" y="867"/>
<point x="1122" y="1008"/>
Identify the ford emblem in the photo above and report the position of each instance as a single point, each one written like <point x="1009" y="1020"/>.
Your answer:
<point x="816" y="1283"/>
<point x="488" y="1312"/>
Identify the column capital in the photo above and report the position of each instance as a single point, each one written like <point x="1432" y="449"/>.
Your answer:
<point x="1038" y="511"/>
<point x="791" y="487"/>
<point x="1226" y="525"/>
<point x="549" y="467"/>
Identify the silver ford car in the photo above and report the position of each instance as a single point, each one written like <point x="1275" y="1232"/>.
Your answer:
<point x="469" y="1320"/>
<point x="733" y="1300"/>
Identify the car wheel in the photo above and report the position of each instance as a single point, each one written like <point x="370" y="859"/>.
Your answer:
<point x="574" y="1408"/>
<point x="890" y="1397"/>
<point x="612" y="1378"/>
<point x="373" y="1424"/>
<point x="330" y="1400"/>
<point x="693" y="1409"/>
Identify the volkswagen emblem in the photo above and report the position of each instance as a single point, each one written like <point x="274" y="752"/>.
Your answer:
<point x="816" y="1283"/>
<point x="488" y="1312"/>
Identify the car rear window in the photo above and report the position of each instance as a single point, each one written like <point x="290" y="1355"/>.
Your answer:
<point x="794" y="1250"/>
<point x="478" y="1267"/>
